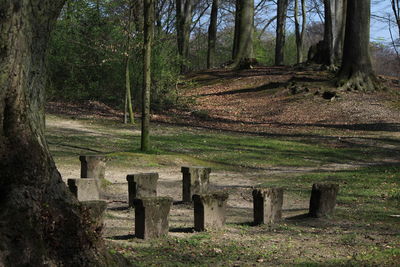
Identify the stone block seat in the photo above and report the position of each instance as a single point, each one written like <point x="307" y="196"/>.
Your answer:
<point x="84" y="189"/>
<point x="93" y="166"/>
<point x="141" y="185"/>
<point x="267" y="205"/>
<point x="209" y="210"/>
<point x="323" y="200"/>
<point x="195" y="180"/>
<point x="151" y="216"/>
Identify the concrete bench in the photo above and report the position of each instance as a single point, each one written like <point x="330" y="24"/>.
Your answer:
<point x="323" y="199"/>
<point x="195" y="180"/>
<point x="84" y="189"/>
<point x="151" y="216"/>
<point x="209" y="210"/>
<point x="93" y="166"/>
<point x="267" y="205"/>
<point x="141" y="185"/>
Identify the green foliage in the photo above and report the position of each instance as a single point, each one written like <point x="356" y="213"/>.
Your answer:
<point x="88" y="53"/>
<point x="264" y="50"/>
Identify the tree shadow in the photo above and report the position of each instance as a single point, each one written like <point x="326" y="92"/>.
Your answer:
<point x="182" y="230"/>
<point x="300" y="217"/>
<point x="248" y="223"/>
<point x="120" y="208"/>
<point x="269" y="86"/>
<point x="122" y="237"/>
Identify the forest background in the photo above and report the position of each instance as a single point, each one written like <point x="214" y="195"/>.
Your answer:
<point x="96" y="47"/>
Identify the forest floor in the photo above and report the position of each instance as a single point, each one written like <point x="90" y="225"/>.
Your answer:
<point x="266" y="126"/>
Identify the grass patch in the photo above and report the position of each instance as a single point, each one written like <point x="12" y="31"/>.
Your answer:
<point x="216" y="149"/>
<point x="367" y="194"/>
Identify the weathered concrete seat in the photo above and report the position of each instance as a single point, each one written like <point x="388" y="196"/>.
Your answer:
<point x="93" y="166"/>
<point x="209" y="210"/>
<point x="267" y="205"/>
<point x="195" y="181"/>
<point x="323" y="199"/>
<point x="141" y="185"/>
<point x="96" y="210"/>
<point x="84" y="189"/>
<point x="151" y="216"/>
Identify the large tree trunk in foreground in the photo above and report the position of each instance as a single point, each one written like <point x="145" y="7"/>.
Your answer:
<point x="41" y="223"/>
<point x="243" y="55"/>
<point x="280" y="32"/>
<point x="356" y="71"/>
<point x="148" y="41"/>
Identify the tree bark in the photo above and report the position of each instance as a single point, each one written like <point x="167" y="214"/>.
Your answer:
<point x="128" y="91"/>
<point x="300" y="33"/>
<point x="237" y="29"/>
<point x="212" y="35"/>
<point x="356" y="70"/>
<point x="396" y="12"/>
<point x="184" y="9"/>
<point x="41" y="223"/>
<point x="330" y="50"/>
<point x="244" y="53"/>
<point x="148" y="41"/>
<point x="128" y="94"/>
<point x="280" y="32"/>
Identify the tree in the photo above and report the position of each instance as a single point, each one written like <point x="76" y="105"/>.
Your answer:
<point x="300" y="33"/>
<point x="280" y="31"/>
<point x="148" y="41"/>
<point x="41" y="223"/>
<point x="330" y="50"/>
<point x="184" y="9"/>
<point x="243" y="53"/>
<point x="356" y="70"/>
<point x="396" y="12"/>
<point x="212" y="34"/>
<point x="128" y="95"/>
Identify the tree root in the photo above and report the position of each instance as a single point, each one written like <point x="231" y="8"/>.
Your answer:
<point x="359" y="82"/>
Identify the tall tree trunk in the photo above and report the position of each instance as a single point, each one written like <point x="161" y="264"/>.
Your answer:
<point x="41" y="223"/>
<point x="280" y="32"/>
<point x="356" y="71"/>
<point x="128" y="91"/>
<point x="339" y="26"/>
<point x="128" y="95"/>
<point x="138" y="14"/>
<point x="244" y="57"/>
<point x="148" y="41"/>
<point x="396" y="12"/>
<point x="212" y="35"/>
<point x="184" y="9"/>
<point x="330" y="50"/>
<point x="300" y="33"/>
<point x="237" y="29"/>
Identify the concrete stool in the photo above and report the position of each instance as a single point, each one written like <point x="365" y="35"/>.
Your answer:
<point x="209" y="210"/>
<point x="93" y="166"/>
<point x="151" y="216"/>
<point x="195" y="181"/>
<point x="267" y="205"/>
<point x="141" y="185"/>
<point x="323" y="199"/>
<point x="84" y="189"/>
<point x="96" y="210"/>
